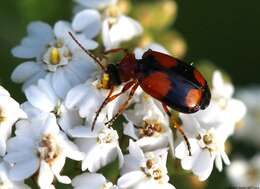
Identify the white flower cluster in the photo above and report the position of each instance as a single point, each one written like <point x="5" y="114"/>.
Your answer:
<point x="63" y="92"/>
<point x="245" y="172"/>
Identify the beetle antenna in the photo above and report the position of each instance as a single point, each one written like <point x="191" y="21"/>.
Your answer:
<point x="87" y="51"/>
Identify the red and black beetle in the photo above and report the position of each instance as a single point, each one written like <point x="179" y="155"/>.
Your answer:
<point x="169" y="80"/>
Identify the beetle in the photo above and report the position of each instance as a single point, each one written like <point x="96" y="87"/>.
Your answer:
<point x="174" y="83"/>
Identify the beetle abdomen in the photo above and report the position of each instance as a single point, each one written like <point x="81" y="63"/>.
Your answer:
<point x="180" y="86"/>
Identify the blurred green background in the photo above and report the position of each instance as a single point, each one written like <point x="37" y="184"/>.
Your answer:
<point x="225" y="32"/>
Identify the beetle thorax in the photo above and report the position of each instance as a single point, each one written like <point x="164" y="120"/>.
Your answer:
<point x="127" y="68"/>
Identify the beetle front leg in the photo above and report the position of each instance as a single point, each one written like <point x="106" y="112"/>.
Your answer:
<point x="123" y="106"/>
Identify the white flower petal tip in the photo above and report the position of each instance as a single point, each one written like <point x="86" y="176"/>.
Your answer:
<point x="6" y="182"/>
<point x="91" y="181"/>
<point x="130" y="179"/>
<point x="87" y="21"/>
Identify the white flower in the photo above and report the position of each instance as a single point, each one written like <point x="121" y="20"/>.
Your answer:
<point x="244" y="173"/>
<point x="42" y="99"/>
<point x="249" y="127"/>
<point x="207" y="146"/>
<point x="10" y="112"/>
<point x="117" y="29"/>
<point x="40" y="146"/>
<point x="100" y="146"/>
<point x="58" y="57"/>
<point x="5" y="182"/>
<point x="92" y="181"/>
<point x="148" y="124"/>
<point x="144" y="170"/>
<point x="97" y="4"/>
<point x="223" y="109"/>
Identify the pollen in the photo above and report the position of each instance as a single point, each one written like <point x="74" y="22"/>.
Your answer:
<point x="54" y="56"/>
<point x="208" y="138"/>
<point x="48" y="149"/>
<point x="149" y="163"/>
<point x="150" y="128"/>
<point x="107" y="136"/>
<point x="57" y="109"/>
<point x="67" y="54"/>
<point x="104" y="82"/>
<point x="2" y="117"/>
<point x="107" y="185"/>
<point x="153" y="168"/>
<point x="157" y="174"/>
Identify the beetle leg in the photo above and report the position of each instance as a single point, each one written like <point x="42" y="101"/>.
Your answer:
<point x="177" y="126"/>
<point x="123" y="106"/>
<point x="110" y="98"/>
<point x="165" y="108"/>
<point x="101" y="107"/>
<point x="180" y="129"/>
<point x="124" y="89"/>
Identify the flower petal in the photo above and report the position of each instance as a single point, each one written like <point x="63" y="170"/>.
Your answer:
<point x="24" y="170"/>
<point x="45" y="176"/>
<point x="40" y="30"/>
<point x="88" y="180"/>
<point x="61" y="29"/>
<point x="203" y="165"/>
<point x="60" y="83"/>
<point x="88" y="21"/>
<point x="96" y="4"/>
<point x="135" y="150"/>
<point x="130" y="179"/>
<point x="25" y="71"/>
<point x="39" y="98"/>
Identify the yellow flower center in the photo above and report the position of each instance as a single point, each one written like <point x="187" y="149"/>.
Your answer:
<point x="48" y="149"/>
<point x="153" y="169"/>
<point x="107" y="136"/>
<point x="208" y="138"/>
<point x="55" y="56"/>
<point x="150" y="128"/>
<point x="104" y="82"/>
<point x="157" y="174"/>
